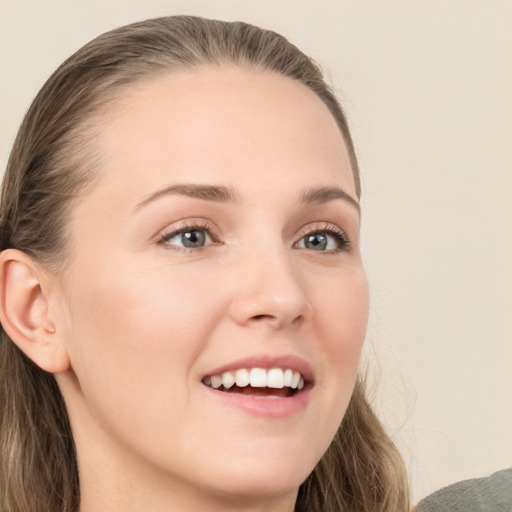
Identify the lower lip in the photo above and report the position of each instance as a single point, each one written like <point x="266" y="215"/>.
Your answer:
<point x="268" y="407"/>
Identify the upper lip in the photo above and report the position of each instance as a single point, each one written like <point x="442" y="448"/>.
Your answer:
<point x="267" y="362"/>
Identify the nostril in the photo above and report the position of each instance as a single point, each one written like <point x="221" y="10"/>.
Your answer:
<point x="298" y="320"/>
<point x="276" y="320"/>
<point x="261" y="317"/>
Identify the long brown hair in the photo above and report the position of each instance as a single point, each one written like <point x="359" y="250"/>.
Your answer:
<point x="50" y="165"/>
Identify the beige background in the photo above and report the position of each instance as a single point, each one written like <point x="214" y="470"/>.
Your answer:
<point x="428" y="89"/>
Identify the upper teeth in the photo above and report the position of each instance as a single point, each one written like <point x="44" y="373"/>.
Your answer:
<point x="258" y="378"/>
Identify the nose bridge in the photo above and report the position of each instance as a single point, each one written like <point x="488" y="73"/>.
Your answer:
<point x="269" y="287"/>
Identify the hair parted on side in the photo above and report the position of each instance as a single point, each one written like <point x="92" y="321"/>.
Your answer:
<point x="51" y="164"/>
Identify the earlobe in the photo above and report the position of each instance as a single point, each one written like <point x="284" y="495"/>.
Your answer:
<point x="24" y="312"/>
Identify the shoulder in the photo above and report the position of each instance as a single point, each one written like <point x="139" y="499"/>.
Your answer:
<point x="490" y="494"/>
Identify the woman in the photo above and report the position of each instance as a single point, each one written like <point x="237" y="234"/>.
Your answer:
<point x="183" y="297"/>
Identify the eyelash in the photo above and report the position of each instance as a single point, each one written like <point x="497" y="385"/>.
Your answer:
<point x="340" y="236"/>
<point x="184" y="228"/>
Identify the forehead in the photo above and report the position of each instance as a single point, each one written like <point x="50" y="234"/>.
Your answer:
<point x="221" y="123"/>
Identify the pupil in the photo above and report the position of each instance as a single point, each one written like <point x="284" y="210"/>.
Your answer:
<point x="317" y="242"/>
<point x="193" y="238"/>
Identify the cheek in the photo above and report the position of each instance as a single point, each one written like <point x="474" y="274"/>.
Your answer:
<point x="340" y="320"/>
<point x="341" y="315"/>
<point x="134" y="339"/>
<point x="131" y="333"/>
<point x="345" y="303"/>
<point x="140" y="314"/>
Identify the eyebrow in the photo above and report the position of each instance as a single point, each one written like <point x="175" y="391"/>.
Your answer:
<point x="324" y="194"/>
<point x="216" y="193"/>
<point x="221" y="193"/>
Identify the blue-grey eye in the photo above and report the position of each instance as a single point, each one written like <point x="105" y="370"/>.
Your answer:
<point x="321" y="241"/>
<point x="190" y="239"/>
<point x="193" y="238"/>
<point x="316" y="241"/>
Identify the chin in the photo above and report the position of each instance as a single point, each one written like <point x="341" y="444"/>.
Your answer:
<point x="254" y="488"/>
<point x="261" y="477"/>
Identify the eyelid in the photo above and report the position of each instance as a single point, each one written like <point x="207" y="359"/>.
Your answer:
<point x="184" y="226"/>
<point x="329" y="228"/>
<point x="201" y="224"/>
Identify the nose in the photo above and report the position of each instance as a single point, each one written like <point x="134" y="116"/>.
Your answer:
<point x="270" y="291"/>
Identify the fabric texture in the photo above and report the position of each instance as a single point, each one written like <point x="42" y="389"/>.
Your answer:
<point x="491" y="494"/>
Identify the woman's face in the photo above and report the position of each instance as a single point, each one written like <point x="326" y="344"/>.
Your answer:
<point x="221" y="236"/>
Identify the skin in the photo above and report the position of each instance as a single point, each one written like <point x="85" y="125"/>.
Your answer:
<point x="142" y="320"/>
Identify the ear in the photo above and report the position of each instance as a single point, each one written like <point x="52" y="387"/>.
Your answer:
<point x="24" y="311"/>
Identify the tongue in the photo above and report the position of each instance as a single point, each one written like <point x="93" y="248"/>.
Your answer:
<point x="249" y="390"/>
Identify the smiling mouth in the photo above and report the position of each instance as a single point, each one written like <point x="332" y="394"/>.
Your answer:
<point x="259" y="382"/>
